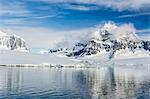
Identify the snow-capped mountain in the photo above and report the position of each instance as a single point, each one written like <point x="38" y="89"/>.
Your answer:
<point x="108" y="39"/>
<point x="12" y="42"/>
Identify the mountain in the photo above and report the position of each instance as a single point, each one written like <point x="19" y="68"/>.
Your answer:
<point x="108" y="39"/>
<point x="12" y="42"/>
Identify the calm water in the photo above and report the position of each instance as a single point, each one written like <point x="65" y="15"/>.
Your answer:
<point x="119" y="82"/>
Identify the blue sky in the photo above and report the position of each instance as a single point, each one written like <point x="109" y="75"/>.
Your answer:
<point x="28" y="18"/>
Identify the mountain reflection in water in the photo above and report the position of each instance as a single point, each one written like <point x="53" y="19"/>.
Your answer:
<point x="118" y="82"/>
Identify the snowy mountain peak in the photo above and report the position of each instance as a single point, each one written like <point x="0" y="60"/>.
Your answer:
<point x="107" y="39"/>
<point x="101" y="32"/>
<point x="12" y="42"/>
<point x="110" y="31"/>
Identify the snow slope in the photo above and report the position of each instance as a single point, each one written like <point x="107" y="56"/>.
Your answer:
<point x="12" y="42"/>
<point x="15" y="57"/>
<point x="28" y="59"/>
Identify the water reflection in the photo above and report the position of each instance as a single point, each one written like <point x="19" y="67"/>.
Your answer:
<point x="118" y="82"/>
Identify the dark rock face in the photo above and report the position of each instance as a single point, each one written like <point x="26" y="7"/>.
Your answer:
<point x="93" y="47"/>
<point x="146" y="45"/>
<point x="16" y="43"/>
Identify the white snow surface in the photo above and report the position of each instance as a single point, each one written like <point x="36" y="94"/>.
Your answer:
<point x="14" y="57"/>
<point x="123" y="54"/>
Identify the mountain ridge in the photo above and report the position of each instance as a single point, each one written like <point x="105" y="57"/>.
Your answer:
<point x="108" y="38"/>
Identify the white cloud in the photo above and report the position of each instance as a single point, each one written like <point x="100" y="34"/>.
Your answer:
<point x="40" y="37"/>
<point x="70" y="38"/>
<point x="80" y="7"/>
<point x="144" y="34"/>
<point x="52" y="15"/>
<point x="13" y="8"/>
<point x="134" y="15"/>
<point x="113" y="4"/>
<point x="121" y="31"/>
<point x="84" y="35"/>
<point x="13" y="21"/>
<point x="36" y="37"/>
<point x="144" y="31"/>
<point x="46" y="16"/>
<point x="145" y="37"/>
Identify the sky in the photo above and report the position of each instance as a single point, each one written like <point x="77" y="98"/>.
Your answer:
<point x="43" y="23"/>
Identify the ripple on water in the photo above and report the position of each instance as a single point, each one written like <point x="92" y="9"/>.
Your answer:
<point x="106" y="82"/>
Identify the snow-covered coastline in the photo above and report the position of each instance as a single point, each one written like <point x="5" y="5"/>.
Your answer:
<point x="14" y="58"/>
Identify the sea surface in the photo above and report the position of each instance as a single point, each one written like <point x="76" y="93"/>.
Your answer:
<point x="117" y="82"/>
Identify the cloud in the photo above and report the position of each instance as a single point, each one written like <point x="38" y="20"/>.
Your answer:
<point x="22" y="13"/>
<point x="143" y="31"/>
<point x="80" y="7"/>
<point x="52" y="15"/>
<point x="40" y="37"/>
<point x="121" y="31"/>
<point x="13" y="9"/>
<point x="87" y="34"/>
<point x="145" y="37"/>
<point x="46" y="9"/>
<point x="119" y="5"/>
<point x="13" y="21"/>
<point x="133" y="15"/>
<point x="144" y="34"/>
<point x="70" y="38"/>
<point x="36" y="37"/>
<point x="46" y="16"/>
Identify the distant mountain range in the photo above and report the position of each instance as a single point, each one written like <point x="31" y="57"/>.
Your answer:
<point x="104" y="45"/>
<point x="12" y="42"/>
<point x="108" y="39"/>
